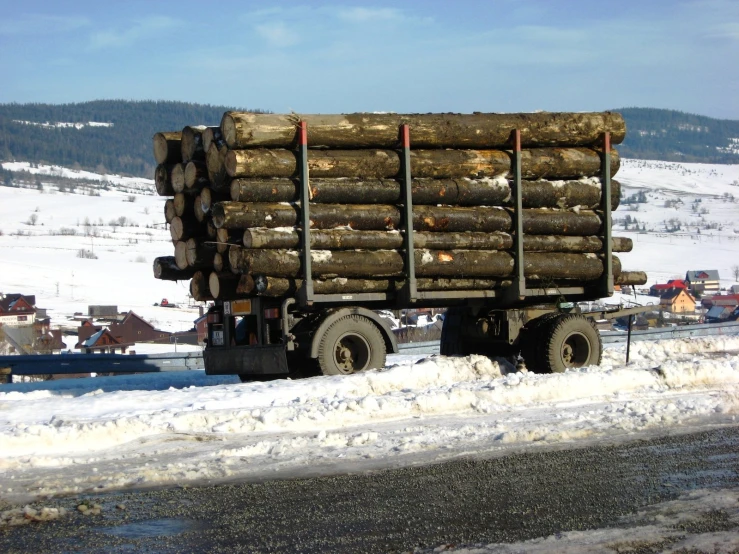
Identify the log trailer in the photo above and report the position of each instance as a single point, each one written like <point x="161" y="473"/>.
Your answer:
<point x="262" y="337"/>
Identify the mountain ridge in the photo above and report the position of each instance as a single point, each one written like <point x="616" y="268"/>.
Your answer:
<point x="114" y="136"/>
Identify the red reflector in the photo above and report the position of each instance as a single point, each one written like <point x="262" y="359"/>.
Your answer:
<point x="214" y="317"/>
<point x="272" y="313"/>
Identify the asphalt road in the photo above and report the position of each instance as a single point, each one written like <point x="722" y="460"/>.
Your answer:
<point x="504" y="499"/>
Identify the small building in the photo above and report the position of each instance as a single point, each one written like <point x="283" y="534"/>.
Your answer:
<point x="102" y="342"/>
<point x="717" y="314"/>
<point x="134" y="328"/>
<point x="677" y="301"/>
<point x="201" y="326"/>
<point x="702" y="281"/>
<point x="731" y="300"/>
<point x="17" y="310"/>
<point x="661" y="288"/>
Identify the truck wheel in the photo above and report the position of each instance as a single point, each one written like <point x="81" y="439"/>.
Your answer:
<point x="350" y="344"/>
<point x="571" y="341"/>
<point x="451" y="340"/>
<point x="531" y="339"/>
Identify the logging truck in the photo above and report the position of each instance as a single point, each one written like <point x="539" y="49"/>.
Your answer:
<point x="503" y="219"/>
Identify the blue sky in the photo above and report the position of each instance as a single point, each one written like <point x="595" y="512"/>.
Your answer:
<point x="403" y="56"/>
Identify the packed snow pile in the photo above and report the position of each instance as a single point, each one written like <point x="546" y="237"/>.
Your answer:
<point x="186" y="427"/>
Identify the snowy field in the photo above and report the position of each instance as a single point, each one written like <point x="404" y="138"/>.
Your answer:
<point x="185" y="428"/>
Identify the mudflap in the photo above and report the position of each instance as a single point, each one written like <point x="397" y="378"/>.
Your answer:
<point x="246" y="360"/>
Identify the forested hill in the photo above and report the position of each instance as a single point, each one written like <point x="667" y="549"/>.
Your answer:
<point x="669" y="135"/>
<point x="113" y="136"/>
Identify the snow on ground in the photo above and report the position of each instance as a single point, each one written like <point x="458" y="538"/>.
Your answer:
<point x="187" y="428"/>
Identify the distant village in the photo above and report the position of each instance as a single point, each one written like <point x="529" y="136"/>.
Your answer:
<point x="26" y="328"/>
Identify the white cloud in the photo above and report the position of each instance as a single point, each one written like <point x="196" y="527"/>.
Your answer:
<point x="363" y="15"/>
<point x="151" y="26"/>
<point x="278" y="34"/>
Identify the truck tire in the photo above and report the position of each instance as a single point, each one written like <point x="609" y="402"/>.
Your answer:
<point x="570" y="340"/>
<point x="531" y="339"/>
<point x="451" y="339"/>
<point x="351" y="343"/>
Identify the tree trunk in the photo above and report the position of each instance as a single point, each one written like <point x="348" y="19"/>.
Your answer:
<point x="220" y="262"/>
<point x="167" y="147"/>
<point x="537" y="163"/>
<point x="226" y="238"/>
<point x="169" y="213"/>
<point x="632" y="278"/>
<point x="178" y="178"/>
<point x="199" y="288"/>
<point x="237" y="215"/>
<point x="429" y="263"/>
<point x="184" y="203"/>
<point x="462" y="192"/>
<point x="224" y="285"/>
<point x="215" y="160"/>
<point x="180" y="254"/>
<point x="192" y="143"/>
<point x="208" y="196"/>
<point x="196" y="175"/>
<point x="210" y="229"/>
<point x="365" y="130"/>
<point x="211" y="135"/>
<point x="166" y="268"/>
<point x="341" y="239"/>
<point x="186" y="228"/>
<point x="163" y="179"/>
<point x="199" y="254"/>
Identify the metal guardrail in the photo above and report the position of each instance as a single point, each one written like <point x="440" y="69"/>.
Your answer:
<point x="146" y="363"/>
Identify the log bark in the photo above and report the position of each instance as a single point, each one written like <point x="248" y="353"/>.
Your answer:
<point x="196" y="175"/>
<point x="186" y="228"/>
<point x="192" y="143"/>
<point x="169" y="213"/>
<point x="163" y="179"/>
<point x="166" y="268"/>
<point x="238" y="215"/>
<point x="585" y="192"/>
<point x="199" y="254"/>
<point x="199" y="288"/>
<point x="178" y="178"/>
<point x="215" y="160"/>
<point x="537" y="163"/>
<point x="364" y="130"/>
<point x="340" y="239"/>
<point x="167" y="147"/>
<point x="197" y="208"/>
<point x="633" y="278"/>
<point x="429" y="263"/>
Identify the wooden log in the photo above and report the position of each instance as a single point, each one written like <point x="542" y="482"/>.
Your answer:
<point x="215" y="160"/>
<point x="197" y="208"/>
<point x="429" y="263"/>
<point x="169" y="213"/>
<point x="196" y="175"/>
<point x="185" y="228"/>
<point x="544" y="221"/>
<point x="178" y="178"/>
<point x="585" y="192"/>
<point x="632" y="278"/>
<point x="210" y="229"/>
<point x="163" y="179"/>
<point x="199" y="287"/>
<point x="341" y="239"/>
<point x="537" y="163"/>
<point x="208" y="196"/>
<point x="211" y="135"/>
<point x="192" y="143"/>
<point x="199" y="254"/>
<point x="281" y="286"/>
<point x="365" y="130"/>
<point x="226" y="238"/>
<point x="184" y="203"/>
<point x="220" y="262"/>
<point x="224" y="285"/>
<point x="180" y="254"/>
<point x="166" y="268"/>
<point x="167" y="148"/>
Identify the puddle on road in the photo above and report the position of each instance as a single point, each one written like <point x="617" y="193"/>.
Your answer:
<point x="166" y="527"/>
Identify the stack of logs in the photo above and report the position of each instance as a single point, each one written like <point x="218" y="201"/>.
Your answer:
<point x="234" y="207"/>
